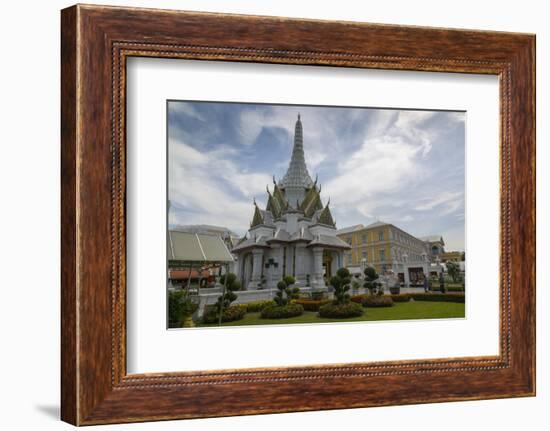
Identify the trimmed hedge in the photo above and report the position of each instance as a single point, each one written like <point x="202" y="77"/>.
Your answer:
<point x="439" y="297"/>
<point x="403" y="297"/>
<point x="318" y="295"/>
<point x="377" y="301"/>
<point x="257" y="306"/>
<point x="179" y="307"/>
<point x="455" y="289"/>
<point x="358" y="299"/>
<point x="341" y="311"/>
<point x="230" y="314"/>
<point x="311" y="304"/>
<point x="282" y="311"/>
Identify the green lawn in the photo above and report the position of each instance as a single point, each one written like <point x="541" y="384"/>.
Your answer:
<point x="399" y="311"/>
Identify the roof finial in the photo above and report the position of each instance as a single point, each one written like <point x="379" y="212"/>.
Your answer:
<point x="274" y="182"/>
<point x="298" y="116"/>
<point x="328" y="203"/>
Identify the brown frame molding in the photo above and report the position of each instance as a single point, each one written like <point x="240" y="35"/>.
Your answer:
<point x="95" y="43"/>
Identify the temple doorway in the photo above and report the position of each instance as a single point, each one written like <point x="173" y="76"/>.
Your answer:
<point x="327" y="264"/>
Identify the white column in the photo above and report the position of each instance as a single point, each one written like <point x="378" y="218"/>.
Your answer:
<point x="406" y="270"/>
<point x="257" y="255"/>
<point x="318" y="281"/>
<point x="276" y="273"/>
<point x="300" y="264"/>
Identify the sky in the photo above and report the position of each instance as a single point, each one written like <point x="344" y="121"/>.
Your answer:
<point x="403" y="167"/>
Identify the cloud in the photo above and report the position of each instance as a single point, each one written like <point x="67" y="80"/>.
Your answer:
<point x="387" y="159"/>
<point x="445" y="203"/>
<point x="404" y="167"/>
<point x="209" y="188"/>
<point x="317" y="131"/>
<point x="177" y="108"/>
<point x="379" y="166"/>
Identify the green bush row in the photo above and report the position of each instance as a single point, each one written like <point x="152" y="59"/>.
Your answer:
<point x="257" y="306"/>
<point x="341" y="311"/>
<point x="377" y="301"/>
<point x="406" y="297"/>
<point x="400" y="298"/>
<point x="358" y="299"/>
<point x="282" y="311"/>
<point x="311" y="304"/>
<point x="438" y="297"/>
<point x="230" y="314"/>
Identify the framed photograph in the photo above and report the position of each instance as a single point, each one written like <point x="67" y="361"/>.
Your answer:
<point x="265" y="215"/>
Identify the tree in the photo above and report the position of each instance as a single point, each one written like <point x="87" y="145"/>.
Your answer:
<point x="180" y="307"/>
<point x="355" y="285"/>
<point x="453" y="270"/>
<point x="371" y="280"/>
<point x="285" y="292"/>
<point x="231" y="284"/>
<point x="341" y="284"/>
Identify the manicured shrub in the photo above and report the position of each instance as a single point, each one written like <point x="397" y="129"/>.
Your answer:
<point x="439" y="297"/>
<point x="455" y="288"/>
<point x="318" y="294"/>
<point x="289" y="280"/>
<point x="284" y="292"/>
<point x="282" y="311"/>
<point x="256" y="306"/>
<point x="403" y="297"/>
<point x="378" y="301"/>
<point x="230" y="314"/>
<point x="341" y="284"/>
<point x="358" y="299"/>
<point x="230" y="285"/>
<point x="371" y="281"/>
<point x="311" y="304"/>
<point x="180" y="306"/>
<point x="341" y="311"/>
<point x="453" y="269"/>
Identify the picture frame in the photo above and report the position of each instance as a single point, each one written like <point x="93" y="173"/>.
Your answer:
<point x="96" y="41"/>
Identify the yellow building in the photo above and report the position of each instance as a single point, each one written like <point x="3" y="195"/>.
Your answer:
<point x="453" y="256"/>
<point x="387" y="247"/>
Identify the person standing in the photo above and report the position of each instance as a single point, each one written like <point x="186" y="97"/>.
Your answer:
<point x="426" y="284"/>
<point x="441" y="282"/>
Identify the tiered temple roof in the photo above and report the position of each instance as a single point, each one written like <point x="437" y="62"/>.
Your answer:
<point x="297" y="174"/>
<point x="306" y="200"/>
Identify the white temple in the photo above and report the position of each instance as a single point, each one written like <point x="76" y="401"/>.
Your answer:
<point x="294" y="235"/>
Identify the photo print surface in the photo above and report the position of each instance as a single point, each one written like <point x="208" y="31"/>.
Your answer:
<point x="292" y="214"/>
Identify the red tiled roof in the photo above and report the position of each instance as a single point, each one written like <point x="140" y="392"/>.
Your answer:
<point x="183" y="274"/>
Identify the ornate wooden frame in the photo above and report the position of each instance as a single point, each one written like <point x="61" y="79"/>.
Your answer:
<point x="95" y="43"/>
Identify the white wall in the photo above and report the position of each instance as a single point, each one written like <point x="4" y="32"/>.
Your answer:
<point x="29" y="174"/>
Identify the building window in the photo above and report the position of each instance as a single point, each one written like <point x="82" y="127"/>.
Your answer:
<point x="382" y="254"/>
<point x="381" y="235"/>
<point x="347" y="259"/>
<point x="364" y="255"/>
<point x="364" y="238"/>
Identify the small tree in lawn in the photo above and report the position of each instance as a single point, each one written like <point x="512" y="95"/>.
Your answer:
<point x="454" y="270"/>
<point x="355" y="285"/>
<point x="231" y="284"/>
<point x="180" y="309"/>
<point x="285" y="292"/>
<point x="341" y="284"/>
<point x="371" y="280"/>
